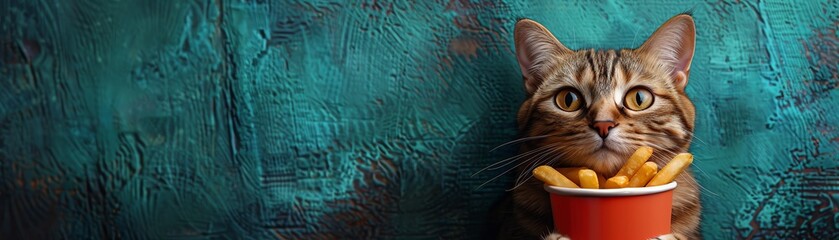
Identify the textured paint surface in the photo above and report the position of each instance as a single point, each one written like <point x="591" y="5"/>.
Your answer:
<point x="366" y="119"/>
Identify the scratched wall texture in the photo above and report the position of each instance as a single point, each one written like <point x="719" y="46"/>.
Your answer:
<point x="366" y="119"/>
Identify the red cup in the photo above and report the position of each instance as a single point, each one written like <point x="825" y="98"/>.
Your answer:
<point x="624" y="213"/>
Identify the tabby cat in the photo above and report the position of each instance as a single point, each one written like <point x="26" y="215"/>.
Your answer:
<point x="593" y="108"/>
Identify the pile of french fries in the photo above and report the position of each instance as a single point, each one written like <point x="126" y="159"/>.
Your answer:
<point x="636" y="172"/>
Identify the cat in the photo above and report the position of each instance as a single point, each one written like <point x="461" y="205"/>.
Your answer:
<point x="593" y="108"/>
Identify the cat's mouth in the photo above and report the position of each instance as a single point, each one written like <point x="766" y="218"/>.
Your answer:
<point x="608" y="156"/>
<point x="604" y="148"/>
<point x="606" y="145"/>
<point x="604" y="160"/>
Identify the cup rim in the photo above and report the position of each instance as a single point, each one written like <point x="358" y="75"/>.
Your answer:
<point x="587" y="192"/>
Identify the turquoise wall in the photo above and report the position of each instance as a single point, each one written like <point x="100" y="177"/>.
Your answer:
<point x="366" y="119"/>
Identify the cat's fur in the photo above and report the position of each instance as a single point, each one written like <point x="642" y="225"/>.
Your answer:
<point x="661" y="64"/>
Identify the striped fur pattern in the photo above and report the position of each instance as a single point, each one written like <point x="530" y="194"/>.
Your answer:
<point x="602" y="78"/>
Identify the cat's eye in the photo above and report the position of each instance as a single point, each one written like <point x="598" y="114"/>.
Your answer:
<point x="638" y="99"/>
<point x="569" y="100"/>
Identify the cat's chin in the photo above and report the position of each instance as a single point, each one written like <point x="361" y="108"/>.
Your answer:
<point x="607" y="161"/>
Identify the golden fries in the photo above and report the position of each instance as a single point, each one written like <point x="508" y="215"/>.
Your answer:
<point x="550" y="176"/>
<point x="671" y="170"/>
<point x="588" y="179"/>
<point x="644" y="174"/>
<point x="616" y="182"/>
<point x="635" y="161"/>
<point x="636" y="172"/>
<point x="571" y="173"/>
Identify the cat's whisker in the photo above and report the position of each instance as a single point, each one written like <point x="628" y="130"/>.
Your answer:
<point x="520" y="183"/>
<point x="699" y="169"/>
<point x="663" y="158"/>
<point x="507" y="161"/>
<point x="706" y="190"/>
<point x="521" y="140"/>
<point x="559" y="156"/>
<point x="514" y="167"/>
<point x="530" y="172"/>
<point x="538" y="158"/>
<point x="696" y="182"/>
<point x="505" y="172"/>
<point x="695" y="166"/>
<point x="691" y="135"/>
<point x="526" y="175"/>
<point x="662" y="148"/>
<point x="531" y="152"/>
<point x="533" y="165"/>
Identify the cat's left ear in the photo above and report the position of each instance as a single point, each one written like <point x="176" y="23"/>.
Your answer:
<point x="536" y="49"/>
<point x="673" y="44"/>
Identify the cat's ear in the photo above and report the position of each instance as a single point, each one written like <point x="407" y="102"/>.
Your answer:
<point x="535" y="48"/>
<point x="673" y="44"/>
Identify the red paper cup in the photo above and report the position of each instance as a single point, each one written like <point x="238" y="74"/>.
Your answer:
<point x="624" y="213"/>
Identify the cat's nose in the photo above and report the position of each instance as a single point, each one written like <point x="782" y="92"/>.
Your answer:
<point x="603" y="127"/>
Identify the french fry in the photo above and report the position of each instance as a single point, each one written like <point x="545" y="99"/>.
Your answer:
<point x="550" y="176"/>
<point x="671" y="170"/>
<point x="588" y="179"/>
<point x="616" y="182"/>
<point x="644" y="174"/>
<point x="635" y="161"/>
<point x="573" y="174"/>
<point x="636" y="172"/>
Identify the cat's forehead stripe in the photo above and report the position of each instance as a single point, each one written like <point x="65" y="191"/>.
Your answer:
<point x="615" y="59"/>
<point x="602" y="63"/>
<point x="596" y="73"/>
<point x="627" y="73"/>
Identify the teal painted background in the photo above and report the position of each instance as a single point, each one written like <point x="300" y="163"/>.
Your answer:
<point x="366" y="119"/>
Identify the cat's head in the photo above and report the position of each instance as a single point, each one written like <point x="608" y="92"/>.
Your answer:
<point x="598" y="106"/>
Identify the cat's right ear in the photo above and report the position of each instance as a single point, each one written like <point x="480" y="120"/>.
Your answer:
<point x="536" y="47"/>
<point x="673" y="45"/>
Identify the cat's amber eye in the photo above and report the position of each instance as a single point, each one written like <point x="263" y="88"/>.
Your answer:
<point x="638" y="99"/>
<point x="569" y="100"/>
